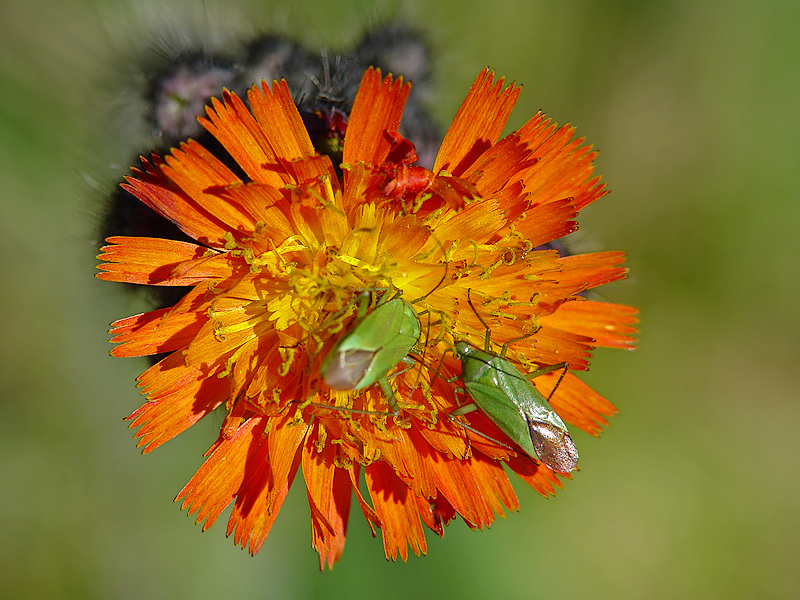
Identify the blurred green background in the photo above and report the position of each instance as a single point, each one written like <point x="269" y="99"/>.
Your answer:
<point x="693" y="491"/>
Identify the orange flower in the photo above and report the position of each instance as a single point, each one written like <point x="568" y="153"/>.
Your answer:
<point x="285" y="246"/>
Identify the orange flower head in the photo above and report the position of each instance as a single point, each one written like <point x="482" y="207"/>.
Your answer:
<point x="292" y="251"/>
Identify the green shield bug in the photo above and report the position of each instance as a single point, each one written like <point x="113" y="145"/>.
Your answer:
<point x="500" y="391"/>
<point x="373" y="347"/>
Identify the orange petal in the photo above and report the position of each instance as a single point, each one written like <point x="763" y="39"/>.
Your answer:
<point x="329" y="495"/>
<point x="307" y="169"/>
<point x="206" y="269"/>
<point x="369" y="513"/>
<point x="218" y="480"/>
<point x="543" y="277"/>
<point x="270" y="475"/>
<point x="451" y="441"/>
<point x="477" y="124"/>
<point x="360" y="178"/>
<point x="278" y="118"/>
<point x="499" y="165"/>
<point x="609" y="325"/>
<point x="486" y="437"/>
<point x="237" y="130"/>
<point x="436" y="513"/>
<point x="257" y="200"/>
<point x="377" y="109"/>
<point x="535" y="474"/>
<point x="494" y="484"/>
<point x="265" y="375"/>
<point x="147" y="261"/>
<point x="403" y="452"/>
<point x="563" y="168"/>
<point x="179" y="396"/>
<point x="478" y="221"/>
<point x="576" y="402"/>
<point x="159" y="193"/>
<point x="546" y="222"/>
<point x="226" y="331"/>
<point x="582" y="272"/>
<point x="397" y="509"/>
<point x="552" y="346"/>
<point x="202" y="176"/>
<point x="155" y="332"/>
<point x="457" y="482"/>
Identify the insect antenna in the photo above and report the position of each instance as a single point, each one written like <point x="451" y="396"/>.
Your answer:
<point x="488" y="334"/>
<point x="549" y="369"/>
<point x="541" y="371"/>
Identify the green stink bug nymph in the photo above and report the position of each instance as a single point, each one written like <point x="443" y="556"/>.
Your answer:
<point x="378" y="342"/>
<point x="500" y="391"/>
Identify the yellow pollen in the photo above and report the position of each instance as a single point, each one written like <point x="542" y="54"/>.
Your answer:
<point x="328" y="197"/>
<point x="221" y="330"/>
<point x="322" y="436"/>
<point x="229" y="364"/>
<point x="288" y="355"/>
